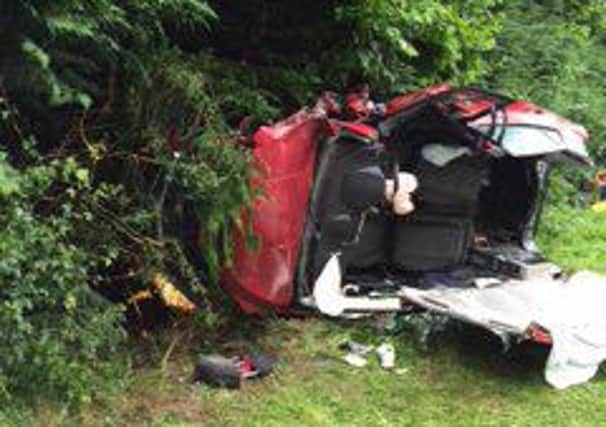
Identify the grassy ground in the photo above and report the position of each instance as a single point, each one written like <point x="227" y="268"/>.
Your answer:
<point x="462" y="379"/>
<point x="574" y="239"/>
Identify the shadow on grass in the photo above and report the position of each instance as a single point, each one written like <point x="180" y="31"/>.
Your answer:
<point x="475" y="347"/>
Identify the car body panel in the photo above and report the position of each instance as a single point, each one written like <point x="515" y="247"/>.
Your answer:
<point x="528" y="130"/>
<point x="285" y="154"/>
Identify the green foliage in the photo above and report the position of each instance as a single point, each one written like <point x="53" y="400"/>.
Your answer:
<point x="543" y="56"/>
<point x="419" y="42"/>
<point x="212" y="180"/>
<point x="211" y="175"/>
<point x="334" y="44"/>
<point x="89" y="92"/>
<point x="57" y="333"/>
<point x="552" y="53"/>
<point x="9" y="179"/>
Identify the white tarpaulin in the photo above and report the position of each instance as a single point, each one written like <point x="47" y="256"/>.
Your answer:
<point x="573" y="311"/>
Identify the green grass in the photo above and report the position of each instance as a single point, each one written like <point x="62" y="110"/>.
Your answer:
<point x="463" y="379"/>
<point x="574" y="239"/>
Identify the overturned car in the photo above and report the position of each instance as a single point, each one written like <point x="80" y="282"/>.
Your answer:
<point x="430" y="201"/>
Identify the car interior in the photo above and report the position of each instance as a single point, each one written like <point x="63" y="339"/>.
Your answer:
<point x="472" y="224"/>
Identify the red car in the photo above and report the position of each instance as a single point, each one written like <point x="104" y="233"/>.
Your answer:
<point x="429" y="200"/>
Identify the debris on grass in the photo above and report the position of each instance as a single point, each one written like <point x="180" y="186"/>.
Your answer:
<point x="387" y="355"/>
<point x="220" y="371"/>
<point x="356" y="348"/>
<point x="357" y="354"/>
<point x="355" y="360"/>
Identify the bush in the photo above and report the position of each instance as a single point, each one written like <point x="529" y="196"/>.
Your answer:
<point x="544" y="56"/>
<point x="420" y="42"/>
<point x="92" y="96"/>
<point x="551" y="53"/>
<point x="58" y="334"/>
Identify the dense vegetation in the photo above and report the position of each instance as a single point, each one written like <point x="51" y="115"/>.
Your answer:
<point x="96" y="97"/>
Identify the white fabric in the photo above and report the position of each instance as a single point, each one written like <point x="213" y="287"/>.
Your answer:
<point x="576" y="320"/>
<point x="407" y="182"/>
<point x="401" y="200"/>
<point x="327" y="289"/>
<point x="330" y="299"/>
<point x="402" y="203"/>
<point x="573" y="311"/>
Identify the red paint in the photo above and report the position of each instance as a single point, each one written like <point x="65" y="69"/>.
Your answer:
<point x="524" y="112"/>
<point x="359" y="103"/>
<point x="285" y="154"/>
<point x="401" y="102"/>
<point x="471" y="103"/>
<point x="358" y="129"/>
<point x="540" y="335"/>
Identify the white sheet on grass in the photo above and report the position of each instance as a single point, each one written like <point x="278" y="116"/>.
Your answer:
<point x="573" y="311"/>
